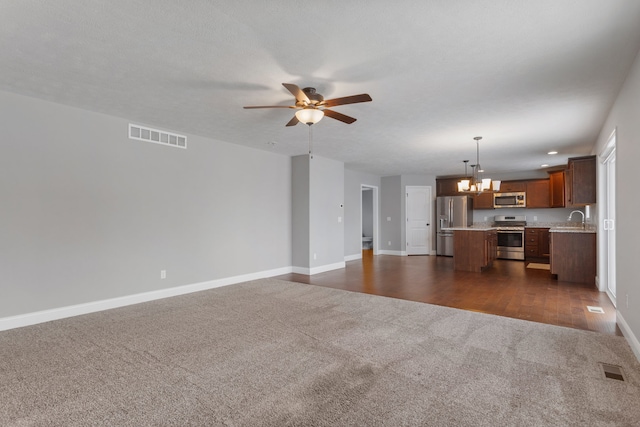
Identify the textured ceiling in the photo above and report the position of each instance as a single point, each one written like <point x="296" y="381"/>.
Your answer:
<point x="529" y="76"/>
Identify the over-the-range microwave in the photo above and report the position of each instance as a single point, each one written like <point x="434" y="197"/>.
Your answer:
<point x="510" y="200"/>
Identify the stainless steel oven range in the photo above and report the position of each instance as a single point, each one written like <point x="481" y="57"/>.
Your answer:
<point x="510" y="230"/>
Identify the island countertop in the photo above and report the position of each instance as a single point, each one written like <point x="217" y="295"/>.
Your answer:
<point x="474" y="228"/>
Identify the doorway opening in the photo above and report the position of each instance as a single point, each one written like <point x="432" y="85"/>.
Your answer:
<point x="369" y="218"/>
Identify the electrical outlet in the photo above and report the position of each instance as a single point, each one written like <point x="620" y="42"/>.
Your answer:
<point x="388" y="218"/>
<point x="315" y="256"/>
<point x="486" y="218"/>
<point x="535" y="217"/>
<point x="389" y="243"/>
<point x="163" y="274"/>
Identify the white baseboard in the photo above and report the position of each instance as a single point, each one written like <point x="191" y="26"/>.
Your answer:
<point x="34" y="318"/>
<point x="396" y="253"/>
<point x="353" y="257"/>
<point x="628" y="334"/>
<point x="320" y="269"/>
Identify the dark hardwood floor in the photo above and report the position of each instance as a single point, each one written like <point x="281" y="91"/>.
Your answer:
<point x="506" y="289"/>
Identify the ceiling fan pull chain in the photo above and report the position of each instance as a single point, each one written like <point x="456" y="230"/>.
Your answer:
<point x="310" y="143"/>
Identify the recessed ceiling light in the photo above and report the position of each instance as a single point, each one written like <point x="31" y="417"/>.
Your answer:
<point x="544" y="166"/>
<point x="552" y="152"/>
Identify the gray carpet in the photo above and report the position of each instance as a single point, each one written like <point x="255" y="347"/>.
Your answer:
<point x="274" y="353"/>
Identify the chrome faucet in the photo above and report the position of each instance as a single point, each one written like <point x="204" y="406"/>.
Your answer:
<point x="580" y="212"/>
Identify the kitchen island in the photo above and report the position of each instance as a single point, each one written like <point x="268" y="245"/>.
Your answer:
<point x="474" y="248"/>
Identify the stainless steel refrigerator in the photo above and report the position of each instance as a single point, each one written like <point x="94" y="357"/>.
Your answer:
<point x="452" y="211"/>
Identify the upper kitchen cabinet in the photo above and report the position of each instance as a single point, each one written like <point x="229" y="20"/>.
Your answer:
<point x="447" y="186"/>
<point x="580" y="187"/>
<point x="538" y="193"/>
<point x="574" y="186"/>
<point x="556" y="189"/>
<point x="513" y="186"/>
<point x="483" y="201"/>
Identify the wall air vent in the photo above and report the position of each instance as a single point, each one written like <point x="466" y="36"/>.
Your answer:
<point x="142" y="133"/>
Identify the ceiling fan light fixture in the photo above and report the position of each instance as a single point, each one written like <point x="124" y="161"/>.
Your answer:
<point x="309" y="116"/>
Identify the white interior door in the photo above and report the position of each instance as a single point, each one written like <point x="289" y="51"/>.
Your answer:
<point x="418" y="210"/>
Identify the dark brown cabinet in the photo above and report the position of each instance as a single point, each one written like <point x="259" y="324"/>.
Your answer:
<point x="447" y="186"/>
<point x="474" y="250"/>
<point x="536" y="244"/>
<point x="574" y="186"/>
<point x="513" y="186"/>
<point x="483" y="201"/>
<point x="573" y="256"/>
<point x="557" y="189"/>
<point x="538" y="193"/>
<point x="581" y="181"/>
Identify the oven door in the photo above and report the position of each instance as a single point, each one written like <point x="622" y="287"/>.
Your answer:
<point x="511" y="244"/>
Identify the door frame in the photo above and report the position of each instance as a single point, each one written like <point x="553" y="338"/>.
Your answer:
<point x="604" y="265"/>
<point x="376" y="226"/>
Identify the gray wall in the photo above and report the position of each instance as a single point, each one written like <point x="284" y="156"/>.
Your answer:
<point x="88" y="214"/>
<point x="326" y="211"/>
<point x="353" y="182"/>
<point x="625" y="117"/>
<point x="300" y="211"/>
<point x="391" y="207"/>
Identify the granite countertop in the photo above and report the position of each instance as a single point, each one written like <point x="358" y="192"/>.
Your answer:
<point x="554" y="227"/>
<point x="472" y="228"/>
<point x="564" y="229"/>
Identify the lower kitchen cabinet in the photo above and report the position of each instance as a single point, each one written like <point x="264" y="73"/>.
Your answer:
<point x="536" y="244"/>
<point x="474" y="250"/>
<point x="573" y="256"/>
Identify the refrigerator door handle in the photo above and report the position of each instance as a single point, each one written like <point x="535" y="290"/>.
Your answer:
<point x="450" y="212"/>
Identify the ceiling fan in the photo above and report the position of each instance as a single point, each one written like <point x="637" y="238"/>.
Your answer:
<point x="312" y="106"/>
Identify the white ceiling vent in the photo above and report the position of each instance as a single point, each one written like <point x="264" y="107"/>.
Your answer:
<point x="156" y="136"/>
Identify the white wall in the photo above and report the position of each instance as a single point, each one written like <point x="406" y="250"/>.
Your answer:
<point x="625" y="118"/>
<point x="88" y="214"/>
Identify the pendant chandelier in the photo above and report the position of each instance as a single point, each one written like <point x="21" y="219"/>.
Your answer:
<point x="476" y="184"/>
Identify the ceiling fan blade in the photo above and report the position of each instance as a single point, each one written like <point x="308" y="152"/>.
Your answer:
<point x="297" y="92"/>
<point x="363" y="97"/>
<point x="269" y="106"/>
<point x="339" y="116"/>
<point x="294" y="121"/>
